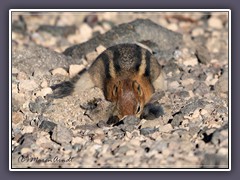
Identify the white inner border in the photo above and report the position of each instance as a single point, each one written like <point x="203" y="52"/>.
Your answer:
<point x="119" y="10"/>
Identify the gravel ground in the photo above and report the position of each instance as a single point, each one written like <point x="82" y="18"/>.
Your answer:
<point x="73" y="132"/>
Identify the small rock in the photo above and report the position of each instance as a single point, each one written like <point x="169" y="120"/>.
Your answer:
<point x="58" y="30"/>
<point x="44" y="92"/>
<point x="86" y="31"/>
<point x="173" y="85"/>
<point x="25" y="150"/>
<point x="166" y="128"/>
<point x="60" y="71"/>
<point x="148" y="130"/>
<point x="47" y="126"/>
<point x="22" y="76"/>
<point x="61" y="134"/>
<point x="197" y="32"/>
<point x="100" y="49"/>
<point x="77" y="140"/>
<point x="131" y="120"/>
<point x="27" y="129"/>
<point x="152" y="123"/>
<point x="44" y="84"/>
<point x="39" y="105"/>
<point x="203" y="54"/>
<point x="215" y="22"/>
<point x="91" y="56"/>
<point x="75" y="69"/>
<point x="17" y="117"/>
<point x="192" y="61"/>
<point x="222" y="84"/>
<point x="27" y="85"/>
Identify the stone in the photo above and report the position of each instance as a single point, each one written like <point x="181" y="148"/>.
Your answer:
<point x="61" y="135"/>
<point x="203" y="54"/>
<point x="197" y="32"/>
<point x="27" y="85"/>
<point x="17" y="117"/>
<point x="60" y="71"/>
<point x="47" y="126"/>
<point x="148" y="130"/>
<point x="152" y="123"/>
<point x="215" y="22"/>
<point x="166" y="128"/>
<point x="222" y="84"/>
<point x="74" y="69"/>
<point x="44" y="92"/>
<point x="100" y="49"/>
<point x="192" y="61"/>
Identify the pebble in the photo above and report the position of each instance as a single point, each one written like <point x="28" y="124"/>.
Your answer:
<point x="86" y="31"/>
<point x="61" y="134"/>
<point x="25" y="151"/>
<point x="215" y="22"/>
<point x="197" y="32"/>
<point x="44" y="92"/>
<point x="192" y="61"/>
<point x="91" y="56"/>
<point x="222" y="84"/>
<point x="100" y="49"/>
<point x="22" y="76"/>
<point x="27" y="85"/>
<point x="17" y="117"/>
<point x="60" y="71"/>
<point x="74" y="69"/>
<point x="166" y="128"/>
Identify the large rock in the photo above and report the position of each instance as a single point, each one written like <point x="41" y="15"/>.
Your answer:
<point x="136" y="31"/>
<point x="33" y="57"/>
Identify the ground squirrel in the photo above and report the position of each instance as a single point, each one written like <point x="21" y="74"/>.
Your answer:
<point x="128" y="75"/>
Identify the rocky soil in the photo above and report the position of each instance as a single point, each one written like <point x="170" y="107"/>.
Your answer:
<point x="73" y="132"/>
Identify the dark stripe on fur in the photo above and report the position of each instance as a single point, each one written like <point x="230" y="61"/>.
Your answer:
<point x="138" y="54"/>
<point x="104" y="57"/>
<point x="116" y="58"/>
<point x="147" y="70"/>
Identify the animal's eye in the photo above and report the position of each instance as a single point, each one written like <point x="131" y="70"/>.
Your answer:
<point x="115" y="89"/>
<point x="138" y="108"/>
<point x="138" y="88"/>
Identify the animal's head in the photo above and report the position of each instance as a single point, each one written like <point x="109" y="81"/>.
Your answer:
<point x="128" y="96"/>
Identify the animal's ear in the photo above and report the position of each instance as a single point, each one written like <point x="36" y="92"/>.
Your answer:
<point x="115" y="89"/>
<point x="137" y="88"/>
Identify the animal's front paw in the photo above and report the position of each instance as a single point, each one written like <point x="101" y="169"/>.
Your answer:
<point x="152" y="111"/>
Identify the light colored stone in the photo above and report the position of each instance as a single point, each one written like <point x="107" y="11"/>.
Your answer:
<point x="152" y="123"/>
<point x="173" y="85"/>
<point x="100" y="49"/>
<point x="91" y="56"/>
<point x="192" y="61"/>
<point x="78" y="140"/>
<point x="44" y="92"/>
<point x="215" y="22"/>
<point x="28" y="129"/>
<point x="60" y="71"/>
<point x="17" y="117"/>
<point x="27" y="85"/>
<point x="197" y="32"/>
<point x="22" y="76"/>
<point x="173" y="27"/>
<point x="44" y="83"/>
<point x="130" y="153"/>
<point x="15" y="70"/>
<point x="186" y="82"/>
<point x="223" y="151"/>
<point x="74" y="69"/>
<point x="86" y="31"/>
<point x="25" y="150"/>
<point x="166" y="128"/>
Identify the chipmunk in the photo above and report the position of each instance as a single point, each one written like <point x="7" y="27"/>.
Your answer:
<point x="128" y="75"/>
